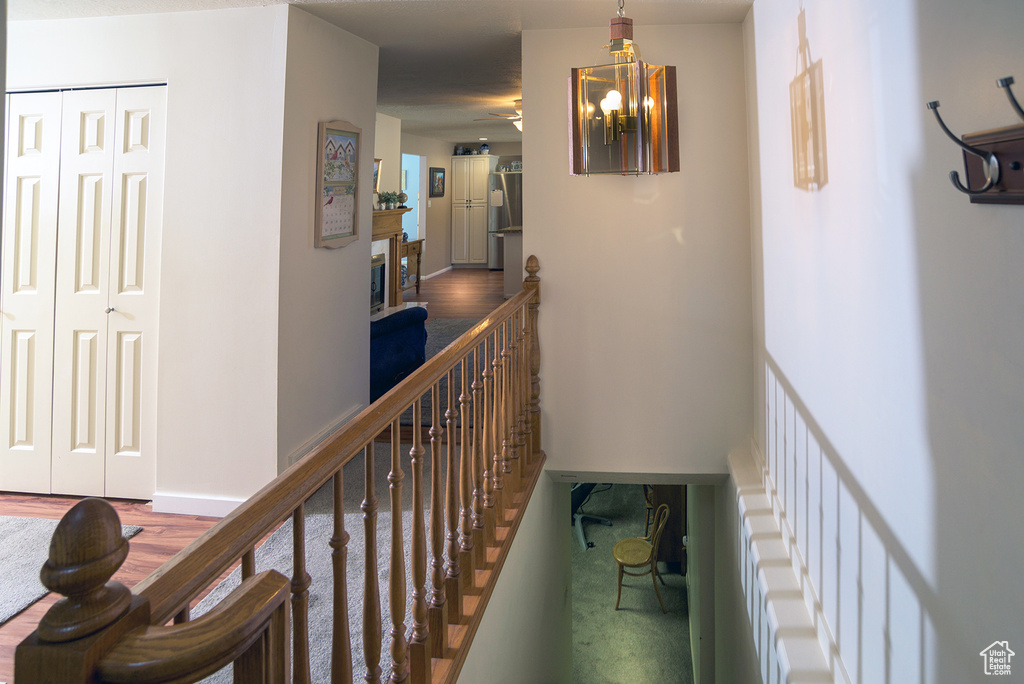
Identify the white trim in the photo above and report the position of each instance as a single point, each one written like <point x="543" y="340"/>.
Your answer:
<point x="787" y="631"/>
<point x="194" y="505"/>
<point x="437" y="273"/>
<point x="318" y="439"/>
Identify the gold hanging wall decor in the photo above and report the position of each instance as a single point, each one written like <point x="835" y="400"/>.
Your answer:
<point x="807" y="110"/>
<point x="623" y="112"/>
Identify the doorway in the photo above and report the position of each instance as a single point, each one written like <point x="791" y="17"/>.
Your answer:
<point x="639" y="642"/>
<point x="413" y="184"/>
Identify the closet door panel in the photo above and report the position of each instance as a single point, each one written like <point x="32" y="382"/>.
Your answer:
<point x="80" y="318"/>
<point x="27" y="295"/>
<point x="133" y="284"/>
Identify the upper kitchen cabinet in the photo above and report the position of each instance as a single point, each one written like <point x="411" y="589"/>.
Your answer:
<point x="469" y="177"/>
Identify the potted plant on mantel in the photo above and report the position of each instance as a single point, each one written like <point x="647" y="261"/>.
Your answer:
<point x="387" y="200"/>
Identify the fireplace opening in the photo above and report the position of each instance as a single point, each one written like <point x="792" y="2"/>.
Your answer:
<point x="376" y="283"/>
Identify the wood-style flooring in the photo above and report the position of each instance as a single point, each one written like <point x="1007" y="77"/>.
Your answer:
<point x="162" y="536"/>
<point x="458" y="293"/>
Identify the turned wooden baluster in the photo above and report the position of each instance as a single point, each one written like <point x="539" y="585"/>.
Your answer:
<point x="454" y="572"/>
<point x="513" y="399"/>
<point x="438" y="610"/>
<point x="419" y="644"/>
<point x="532" y="282"/>
<point x="486" y="450"/>
<point x="497" y="469"/>
<point x="300" y="597"/>
<point x="525" y="391"/>
<point x="396" y="571"/>
<point x="371" y="589"/>
<point x="521" y="404"/>
<point x="466" y="559"/>
<point x="341" y="646"/>
<point x="520" y="357"/>
<point x="506" y="413"/>
<point x="476" y="457"/>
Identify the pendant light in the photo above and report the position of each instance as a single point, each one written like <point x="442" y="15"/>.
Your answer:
<point x="623" y="112"/>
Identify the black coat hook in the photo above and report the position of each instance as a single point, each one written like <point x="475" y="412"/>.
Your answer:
<point x="991" y="163"/>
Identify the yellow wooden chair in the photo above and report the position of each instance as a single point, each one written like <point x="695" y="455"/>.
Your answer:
<point x="639" y="552"/>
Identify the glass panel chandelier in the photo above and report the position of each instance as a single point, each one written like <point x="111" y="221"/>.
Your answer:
<point x="623" y="111"/>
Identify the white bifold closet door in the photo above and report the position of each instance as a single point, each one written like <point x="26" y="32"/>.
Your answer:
<point x="82" y="398"/>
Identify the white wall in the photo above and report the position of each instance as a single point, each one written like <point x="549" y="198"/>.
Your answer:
<point x="388" y="148"/>
<point x="645" y="319"/>
<point x="217" y="395"/>
<point x="700" y="579"/>
<point x="324" y="344"/>
<point x="437" y="249"/>
<point x="526" y="632"/>
<point x="892" y="327"/>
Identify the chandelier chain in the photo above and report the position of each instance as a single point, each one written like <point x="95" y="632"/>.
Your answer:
<point x="621" y="11"/>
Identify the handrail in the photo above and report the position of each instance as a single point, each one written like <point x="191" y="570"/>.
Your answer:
<point x="490" y="445"/>
<point x="200" y="648"/>
<point x="197" y="565"/>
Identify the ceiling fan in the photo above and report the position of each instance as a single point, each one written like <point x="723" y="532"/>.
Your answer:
<point x="516" y="119"/>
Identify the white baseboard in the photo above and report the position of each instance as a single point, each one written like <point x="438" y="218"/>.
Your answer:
<point x="317" y="439"/>
<point x="437" y="273"/>
<point x="218" y="507"/>
<point x="186" y="504"/>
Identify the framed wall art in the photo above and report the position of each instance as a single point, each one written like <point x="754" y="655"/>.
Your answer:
<point x="436" y="181"/>
<point x="337" y="174"/>
<point x="376" y="175"/>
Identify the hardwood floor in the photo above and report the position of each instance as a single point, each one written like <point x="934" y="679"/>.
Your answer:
<point x="162" y="536"/>
<point x="458" y="293"/>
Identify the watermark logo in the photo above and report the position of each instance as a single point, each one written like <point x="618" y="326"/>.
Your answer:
<point x="997" y="658"/>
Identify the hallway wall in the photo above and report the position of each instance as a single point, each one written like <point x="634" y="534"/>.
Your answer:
<point x="323" y="312"/>
<point x="646" y="313"/>
<point x="438" y="246"/>
<point x="225" y="72"/>
<point x="889" y="334"/>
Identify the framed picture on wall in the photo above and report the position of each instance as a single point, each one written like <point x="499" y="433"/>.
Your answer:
<point x="376" y="175"/>
<point x="436" y="181"/>
<point x="337" y="178"/>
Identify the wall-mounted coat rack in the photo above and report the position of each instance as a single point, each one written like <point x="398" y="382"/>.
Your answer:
<point x="996" y="156"/>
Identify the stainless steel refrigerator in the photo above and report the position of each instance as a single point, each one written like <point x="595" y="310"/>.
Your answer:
<point x="506" y="213"/>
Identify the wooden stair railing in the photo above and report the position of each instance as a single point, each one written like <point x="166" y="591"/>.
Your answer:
<point x="490" y="445"/>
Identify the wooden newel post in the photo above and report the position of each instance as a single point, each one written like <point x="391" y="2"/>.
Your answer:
<point x="85" y="551"/>
<point x="532" y="282"/>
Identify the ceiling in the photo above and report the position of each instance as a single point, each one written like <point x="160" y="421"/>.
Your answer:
<point x="443" y="63"/>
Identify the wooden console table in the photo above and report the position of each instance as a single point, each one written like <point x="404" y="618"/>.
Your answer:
<point x="410" y="248"/>
<point x="387" y="225"/>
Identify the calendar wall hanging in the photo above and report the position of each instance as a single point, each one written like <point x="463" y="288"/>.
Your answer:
<point x="337" y="182"/>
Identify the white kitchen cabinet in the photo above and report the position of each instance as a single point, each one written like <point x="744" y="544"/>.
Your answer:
<point x="469" y="234"/>
<point x="469" y="185"/>
<point x="469" y="178"/>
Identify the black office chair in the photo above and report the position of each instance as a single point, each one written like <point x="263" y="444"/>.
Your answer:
<point x="579" y="494"/>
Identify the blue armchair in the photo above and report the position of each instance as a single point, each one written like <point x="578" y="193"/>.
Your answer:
<point x="397" y="347"/>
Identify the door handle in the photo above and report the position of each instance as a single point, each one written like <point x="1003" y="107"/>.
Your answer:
<point x="108" y="309"/>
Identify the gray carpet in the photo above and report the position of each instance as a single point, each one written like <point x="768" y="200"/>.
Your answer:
<point x="637" y="643"/>
<point x="276" y="553"/>
<point x="440" y="333"/>
<point x="24" y="547"/>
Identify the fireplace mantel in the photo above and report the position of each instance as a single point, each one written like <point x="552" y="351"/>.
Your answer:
<point x="387" y="225"/>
